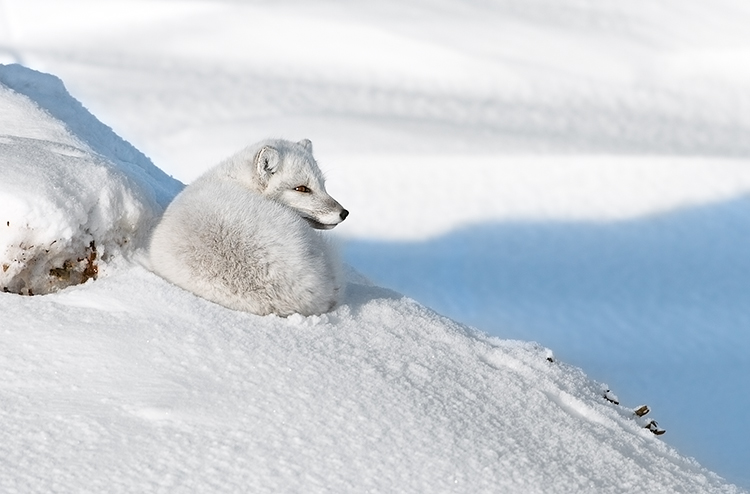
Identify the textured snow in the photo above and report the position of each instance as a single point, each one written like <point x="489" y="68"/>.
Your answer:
<point x="67" y="210"/>
<point x="607" y="220"/>
<point x="127" y="383"/>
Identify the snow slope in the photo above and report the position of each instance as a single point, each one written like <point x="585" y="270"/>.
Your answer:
<point x="474" y="136"/>
<point x="129" y="384"/>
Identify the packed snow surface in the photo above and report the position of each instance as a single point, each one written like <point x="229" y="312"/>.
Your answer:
<point x="128" y="383"/>
<point x="568" y="172"/>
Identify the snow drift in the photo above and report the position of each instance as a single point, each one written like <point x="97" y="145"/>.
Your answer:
<point x="74" y="194"/>
<point x="128" y="383"/>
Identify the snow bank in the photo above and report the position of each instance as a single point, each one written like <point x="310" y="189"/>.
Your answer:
<point x="616" y="89"/>
<point x="130" y="384"/>
<point x="74" y="194"/>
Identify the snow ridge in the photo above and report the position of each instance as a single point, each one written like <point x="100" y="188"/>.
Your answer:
<point x="49" y="93"/>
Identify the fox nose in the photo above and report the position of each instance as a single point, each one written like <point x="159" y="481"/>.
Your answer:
<point x="344" y="214"/>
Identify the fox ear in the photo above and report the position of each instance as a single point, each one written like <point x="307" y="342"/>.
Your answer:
<point x="267" y="161"/>
<point x="307" y="144"/>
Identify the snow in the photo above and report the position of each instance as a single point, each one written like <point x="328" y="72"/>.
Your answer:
<point x="144" y="387"/>
<point x="497" y="189"/>
<point x="572" y="173"/>
<point x="127" y="383"/>
<point x="62" y="223"/>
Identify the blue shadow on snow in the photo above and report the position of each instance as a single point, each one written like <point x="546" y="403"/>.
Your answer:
<point x="657" y="307"/>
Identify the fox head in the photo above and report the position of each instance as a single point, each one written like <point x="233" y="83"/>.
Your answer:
<point x="286" y="172"/>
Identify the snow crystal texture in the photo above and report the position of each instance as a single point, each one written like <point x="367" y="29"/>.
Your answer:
<point x="130" y="384"/>
<point x="70" y="204"/>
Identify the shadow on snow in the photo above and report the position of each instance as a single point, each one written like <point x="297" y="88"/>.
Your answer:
<point x="658" y="307"/>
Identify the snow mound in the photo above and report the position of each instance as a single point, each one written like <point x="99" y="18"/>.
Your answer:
<point x="74" y="194"/>
<point x="131" y="384"/>
<point x="139" y="386"/>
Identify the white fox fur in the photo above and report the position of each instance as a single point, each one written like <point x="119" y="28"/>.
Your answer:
<point x="242" y="234"/>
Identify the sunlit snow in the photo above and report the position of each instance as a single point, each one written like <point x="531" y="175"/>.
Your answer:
<point x="570" y="173"/>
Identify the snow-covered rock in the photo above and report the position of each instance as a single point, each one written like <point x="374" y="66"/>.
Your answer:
<point x="74" y="195"/>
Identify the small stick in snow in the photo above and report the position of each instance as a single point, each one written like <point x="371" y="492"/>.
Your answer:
<point x="611" y="397"/>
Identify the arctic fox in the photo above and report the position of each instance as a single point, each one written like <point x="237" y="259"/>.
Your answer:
<point x="242" y="234"/>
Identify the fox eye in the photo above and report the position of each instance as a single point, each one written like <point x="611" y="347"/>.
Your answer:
<point x="303" y="188"/>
